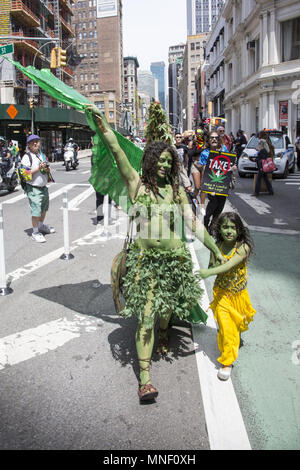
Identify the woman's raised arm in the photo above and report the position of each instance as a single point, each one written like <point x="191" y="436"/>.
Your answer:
<point x="128" y="173"/>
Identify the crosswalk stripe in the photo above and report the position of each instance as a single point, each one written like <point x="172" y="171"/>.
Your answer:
<point x="259" y="206"/>
<point x="74" y="203"/>
<point x="60" y="191"/>
<point x="27" y="344"/>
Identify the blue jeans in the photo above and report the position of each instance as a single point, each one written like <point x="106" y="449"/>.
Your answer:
<point x="263" y="175"/>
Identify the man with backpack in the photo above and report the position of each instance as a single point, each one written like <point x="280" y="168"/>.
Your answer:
<point x="35" y="164"/>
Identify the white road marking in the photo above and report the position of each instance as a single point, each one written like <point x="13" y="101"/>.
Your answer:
<point x="74" y="203"/>
<point x="279" y="222"/>
<point x="224" y="421"/>
<point x="260" y="207"/>
<point x="27" y="344"/>
<point x="85" y="172"/>
<point x="280" y="231"/>
<point x="60" y="191"/>
<point x="92" y="238"/>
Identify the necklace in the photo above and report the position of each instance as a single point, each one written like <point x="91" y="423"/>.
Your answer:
<point x="233" y="251"/>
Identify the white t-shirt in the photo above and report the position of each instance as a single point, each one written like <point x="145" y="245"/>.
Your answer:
<point x="38" y="179"/>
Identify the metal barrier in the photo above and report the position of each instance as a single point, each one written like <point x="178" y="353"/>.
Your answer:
<point x="4" y="288"/>
<point x="66" y="255"/>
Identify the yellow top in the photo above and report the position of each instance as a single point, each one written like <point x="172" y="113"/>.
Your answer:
<point x="234" y="280"/>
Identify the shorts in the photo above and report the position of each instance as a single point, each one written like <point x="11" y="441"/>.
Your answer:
<point x="38" y="199"/>
<point x="194" y="169"/>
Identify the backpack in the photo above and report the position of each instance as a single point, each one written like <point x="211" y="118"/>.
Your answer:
<point x="24" y="173"/>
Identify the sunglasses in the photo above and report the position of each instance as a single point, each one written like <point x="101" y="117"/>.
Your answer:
<point x="178" y="137"/>
<point x="213" y="138"/>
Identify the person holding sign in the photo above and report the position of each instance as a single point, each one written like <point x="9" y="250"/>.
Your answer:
<point x="217" y="177"/>
<point x="213" y="144"/>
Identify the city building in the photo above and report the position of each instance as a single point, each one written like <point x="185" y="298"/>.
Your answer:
<point x="35" y="28"/>
<point x="158" y="71"/>
<point x="193" y="58"/>
<point x="202" y="15"/>
<point x="148" y="84"/>
<point x="99" y="41"/>
<point x="175" y="105"/>
<point x="211" y="81"/>
<point x="262" y="72"/>
<point x="131" y="100"/>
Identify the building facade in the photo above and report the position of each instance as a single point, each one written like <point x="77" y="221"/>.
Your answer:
<point x="31" y="26"/>
<point x="131" y="99"/>
<point x="99" y="41"/>
<point x="202" y="15"/>
<point x="262" y="65"/>
<point x="175" y="104"/>
<point x="148" y="84"/>
<point x="158" y="71"/>
<point x="212" y="86"/>
<point x="193" y="59"/>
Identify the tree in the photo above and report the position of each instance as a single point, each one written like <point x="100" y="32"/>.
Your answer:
<point x="158" y="127"/>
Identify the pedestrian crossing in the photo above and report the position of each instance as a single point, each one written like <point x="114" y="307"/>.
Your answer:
<point x="293" y="179"/>
<point x="55" y="192"/>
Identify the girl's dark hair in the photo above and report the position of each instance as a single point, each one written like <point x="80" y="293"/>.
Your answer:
<point x="243" y="234"/>
<point x="149" y="166"/>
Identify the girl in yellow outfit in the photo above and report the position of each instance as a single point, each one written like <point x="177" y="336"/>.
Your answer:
<point x="231" y="305"/>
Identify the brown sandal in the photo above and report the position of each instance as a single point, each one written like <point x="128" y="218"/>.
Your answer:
<point x="146" y="391"/>
<point x="163" y="346"/>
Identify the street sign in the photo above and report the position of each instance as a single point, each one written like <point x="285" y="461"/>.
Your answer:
<point x="12" y="111"/>
<point x="8" y="49"/>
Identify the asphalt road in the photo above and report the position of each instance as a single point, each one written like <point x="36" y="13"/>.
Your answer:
<point x="68" y="363"/>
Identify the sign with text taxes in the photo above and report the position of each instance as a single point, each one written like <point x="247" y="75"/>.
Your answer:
<point x="217" y="174"/>
<point x="6" y="49"/>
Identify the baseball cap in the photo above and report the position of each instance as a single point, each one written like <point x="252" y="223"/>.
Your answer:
<point x="32" y="137"/>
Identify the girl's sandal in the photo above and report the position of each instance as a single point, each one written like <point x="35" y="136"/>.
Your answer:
<point x="147" y="391"/>
<point x="163" y="342"/>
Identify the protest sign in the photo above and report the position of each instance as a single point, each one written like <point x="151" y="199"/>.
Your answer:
<point x="217" y="177"/>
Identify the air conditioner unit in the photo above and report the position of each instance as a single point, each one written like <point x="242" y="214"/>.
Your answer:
<point x="251" y="45"/>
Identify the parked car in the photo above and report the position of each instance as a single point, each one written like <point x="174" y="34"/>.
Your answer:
<point x="284" y="155"/>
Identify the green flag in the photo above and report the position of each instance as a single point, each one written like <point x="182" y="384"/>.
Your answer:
<point x="105" y="177"/>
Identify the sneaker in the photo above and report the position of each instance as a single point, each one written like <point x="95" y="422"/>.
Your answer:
<point x="224" y="373"/>
<point x="38" y="237"/>
<point x="46" y="229"/>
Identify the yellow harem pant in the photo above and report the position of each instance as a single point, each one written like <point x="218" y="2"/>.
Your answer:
<point x="233" y="312"/>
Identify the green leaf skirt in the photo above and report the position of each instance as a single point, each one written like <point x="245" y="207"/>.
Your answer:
<point x="169" y="275"/>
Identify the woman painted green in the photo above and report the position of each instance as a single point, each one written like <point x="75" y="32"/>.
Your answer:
<point x="159" y="280"/>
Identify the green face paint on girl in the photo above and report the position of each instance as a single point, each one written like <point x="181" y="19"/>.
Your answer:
<point x="228" y="231"/>
<point x="164" y="165"/>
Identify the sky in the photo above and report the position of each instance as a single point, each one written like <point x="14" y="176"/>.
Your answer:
<point x="150" y="27"/>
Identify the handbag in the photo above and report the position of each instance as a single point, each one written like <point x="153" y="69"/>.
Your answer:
<point x="118" y="268"/>
<point x="268" y="166"/>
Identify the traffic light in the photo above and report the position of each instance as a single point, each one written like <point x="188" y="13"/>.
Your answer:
<point x="53" y="58"/>
<point x="31" y="103"/>
<point x="62" y="57"/>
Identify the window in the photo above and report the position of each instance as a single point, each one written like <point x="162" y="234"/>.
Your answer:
<point x="290" y="40"/>
<point x="100" y="104"/>
<point x="111" y="115"/>
<point x="111" y="104"/>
